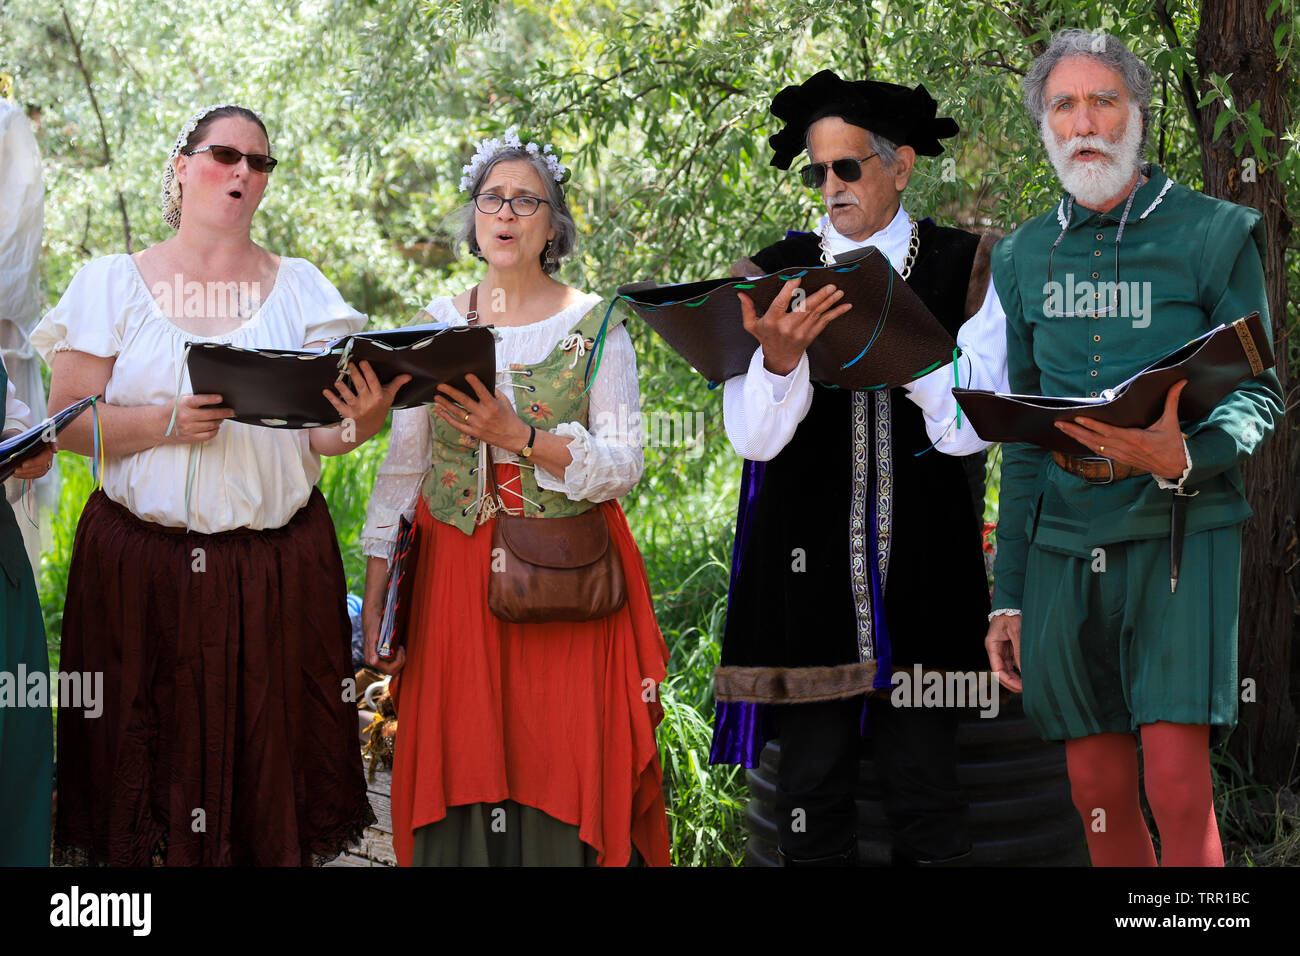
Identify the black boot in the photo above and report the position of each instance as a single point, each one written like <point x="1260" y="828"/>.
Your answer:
<point x="898" y="858"/>
<point x="847" y="857"/>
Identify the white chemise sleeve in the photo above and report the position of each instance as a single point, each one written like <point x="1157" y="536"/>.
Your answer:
<point x="17" y="415"/>
<point x="983" y="364"/>
<point x="326" y="315"/>
<point x="761" y="409"/>
<point x="91" y="314"/>
<point x="607" y="455"/>
<point x="397" y="484"/>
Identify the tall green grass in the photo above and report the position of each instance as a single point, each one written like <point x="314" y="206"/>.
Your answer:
<point x="684" y="522"/>
<point x="52" y="580"/>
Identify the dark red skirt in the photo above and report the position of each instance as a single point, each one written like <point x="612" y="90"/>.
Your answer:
<point x="225" y="738"/>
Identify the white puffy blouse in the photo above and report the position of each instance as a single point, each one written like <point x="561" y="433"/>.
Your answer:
<point x="607" y="453"/>
<point x="248" y="476"/>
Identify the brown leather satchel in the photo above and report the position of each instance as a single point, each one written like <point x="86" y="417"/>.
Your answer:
<point x="555" y="569"/>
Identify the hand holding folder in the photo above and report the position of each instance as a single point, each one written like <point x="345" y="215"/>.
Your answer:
<point x="22" y="447"/>
<point x="283" y="388"/>
<point x="888" y="337"/>
<point x="1213" y="364"/>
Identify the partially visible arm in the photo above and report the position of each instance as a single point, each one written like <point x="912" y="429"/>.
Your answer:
<point x="1021" y="462"/>
<point x="372" y="613"/>
<point x="363" y="408"/>
<point x="397" y="483"/>
<point x="983" y="365"/>
<point x="126" y="429"/>
<point x="604" y="459"/>
<point x="18" y="417"/>
<point x="761" y="410"/>
<point x="1235" y="287"/>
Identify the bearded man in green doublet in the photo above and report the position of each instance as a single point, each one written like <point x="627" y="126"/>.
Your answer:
<point x="1125" y="268"/>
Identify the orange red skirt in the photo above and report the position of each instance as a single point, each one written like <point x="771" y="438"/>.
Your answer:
<point x="558" y="716"/>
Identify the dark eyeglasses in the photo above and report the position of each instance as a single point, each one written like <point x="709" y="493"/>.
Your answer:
<point x="847" y="170"/>
<point x="489" y="203"/>
<point x="229" y="156"/>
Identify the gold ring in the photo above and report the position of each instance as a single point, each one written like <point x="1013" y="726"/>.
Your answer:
<point x="1100" y="448"/>
<point x="467" y="418"/>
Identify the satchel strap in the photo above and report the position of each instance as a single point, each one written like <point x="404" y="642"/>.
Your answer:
<point x="471" y="317"/>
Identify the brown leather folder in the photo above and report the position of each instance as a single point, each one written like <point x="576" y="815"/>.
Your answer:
<point x="282" y="388"/>
<point x="1214" y="364"/>
<point x="887" y="339"/>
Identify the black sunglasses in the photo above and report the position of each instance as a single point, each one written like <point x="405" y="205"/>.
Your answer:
<point x="847" y="170"/>
<point x="229" y="156"/>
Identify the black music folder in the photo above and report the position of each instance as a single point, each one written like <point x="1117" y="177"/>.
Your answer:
<point x="16" y="450"/>
<point x="888" y="338"/>
<point x="281" y="388"/>
<point x="1214" y="364"/>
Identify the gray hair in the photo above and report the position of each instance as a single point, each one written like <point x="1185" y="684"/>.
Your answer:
<point x="885" y="149"/>
<point x="461" y="222"/>
<point x="1106" y="50"/>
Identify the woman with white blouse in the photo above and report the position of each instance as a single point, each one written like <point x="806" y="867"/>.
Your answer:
<point x="206" y="584"/>
<point x="519" y="743"/>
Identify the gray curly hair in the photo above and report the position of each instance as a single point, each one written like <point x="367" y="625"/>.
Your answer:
<point x="1107" y="50"/>
<point x="461" y="222"/>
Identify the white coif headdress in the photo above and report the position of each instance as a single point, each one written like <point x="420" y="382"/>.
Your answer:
<point x="171" y="189"/>
<point x="488" y="148"/>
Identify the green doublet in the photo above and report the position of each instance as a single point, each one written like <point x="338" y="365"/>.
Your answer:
<point x="1105" y="647"/>
<point x="548" y="393"/>
<point x="1198" y="259"/>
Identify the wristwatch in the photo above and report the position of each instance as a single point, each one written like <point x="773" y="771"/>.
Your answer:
<point x="528" y="449"/>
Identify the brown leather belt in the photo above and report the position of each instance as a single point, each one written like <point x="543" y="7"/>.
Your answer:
<point x="1096" y="470"/>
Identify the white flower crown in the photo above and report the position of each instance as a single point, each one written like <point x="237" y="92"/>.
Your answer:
<point x="488" y="148"/>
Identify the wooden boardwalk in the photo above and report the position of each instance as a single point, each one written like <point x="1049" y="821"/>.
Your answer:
<point x="376" y="846"/>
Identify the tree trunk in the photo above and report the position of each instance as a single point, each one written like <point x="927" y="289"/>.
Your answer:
<point x="1235" y="38"/>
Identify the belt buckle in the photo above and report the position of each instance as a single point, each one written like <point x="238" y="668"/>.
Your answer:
<point x="1110" y="465"/>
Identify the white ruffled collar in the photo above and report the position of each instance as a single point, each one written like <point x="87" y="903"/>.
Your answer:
<point x="893" y="240"/>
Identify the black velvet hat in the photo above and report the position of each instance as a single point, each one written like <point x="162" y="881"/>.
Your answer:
<point x="905" y="117"/>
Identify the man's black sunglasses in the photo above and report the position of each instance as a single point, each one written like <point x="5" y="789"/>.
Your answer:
<point x="846" y="170"/>
<point x="229" y="156"/>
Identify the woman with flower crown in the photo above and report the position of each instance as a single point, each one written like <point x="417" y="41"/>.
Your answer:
<point x="519" y="743"/>
<point x="206" y="585"/>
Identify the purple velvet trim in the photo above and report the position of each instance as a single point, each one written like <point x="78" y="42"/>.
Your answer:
<point x="884" y="648"/>
<point x="751" y="481"/>
<point x="741" y="728"/>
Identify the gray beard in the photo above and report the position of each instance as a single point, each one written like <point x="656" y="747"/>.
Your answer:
<point x="1094" y="183"/>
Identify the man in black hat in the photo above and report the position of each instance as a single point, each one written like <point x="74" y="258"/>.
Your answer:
<point x="858" y="550"/>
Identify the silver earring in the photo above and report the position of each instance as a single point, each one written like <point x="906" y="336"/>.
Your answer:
<point x="548" y="254"/>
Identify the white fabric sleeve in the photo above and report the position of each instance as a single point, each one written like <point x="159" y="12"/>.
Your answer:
<point x="91" y="313"/>
<point x="761" y="410"/>
<point x="397" y="484"/>
<point x="325" y="315"/>
<point x="607" y="457"/>
<point x="1164" y="483"/>
<point x="17" y="414"/>
<point x="983" y="364"/>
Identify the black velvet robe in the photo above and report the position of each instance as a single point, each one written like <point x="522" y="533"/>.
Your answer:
<point x="800" y="620"/>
